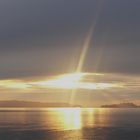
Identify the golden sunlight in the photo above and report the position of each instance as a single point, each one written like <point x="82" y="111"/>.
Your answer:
<point x="74" y="81"/>
<point x="71" y="118"/>
<point x="69" y="81"/>
<point x="13" y="84"/>
<point x="66" y="81"/>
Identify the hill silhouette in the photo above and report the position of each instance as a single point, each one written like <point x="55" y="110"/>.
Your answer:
<point x="121" y="105"/>
<point x="15" y="103"/>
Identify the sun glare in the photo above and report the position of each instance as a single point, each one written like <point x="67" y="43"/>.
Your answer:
<point x="66" y="81"/>
<point x="71" y="118"/>
<point x="13" y="84"/>
<point x="74" y="81"/>
<point x="69" y="81"/>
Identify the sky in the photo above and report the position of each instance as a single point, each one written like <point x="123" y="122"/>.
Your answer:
<point x="39" y="39"/>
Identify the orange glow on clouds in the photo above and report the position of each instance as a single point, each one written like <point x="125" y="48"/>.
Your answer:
<point x="65" y="81"/>
<point x="74" y="81"/>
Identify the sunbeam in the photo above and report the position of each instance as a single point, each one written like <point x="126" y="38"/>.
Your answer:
<point x="86" y="47"/>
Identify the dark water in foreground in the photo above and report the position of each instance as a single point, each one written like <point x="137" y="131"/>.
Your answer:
<point x="70" y="124"/>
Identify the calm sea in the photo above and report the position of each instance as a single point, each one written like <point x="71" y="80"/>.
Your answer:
<point x="69" y="124"/>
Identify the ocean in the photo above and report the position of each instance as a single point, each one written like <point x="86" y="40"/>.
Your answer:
<point x="69" y="124"/>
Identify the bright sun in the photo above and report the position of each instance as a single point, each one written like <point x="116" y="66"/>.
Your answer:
<point x="73" y="81"/>
<point x="69" y="81"/>
<point x="65" y="81"/>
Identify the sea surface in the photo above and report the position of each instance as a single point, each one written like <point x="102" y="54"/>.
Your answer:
<point x="69" y="124"/>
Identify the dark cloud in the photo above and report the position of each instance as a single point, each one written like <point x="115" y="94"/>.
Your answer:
<point x="40" y="37"/>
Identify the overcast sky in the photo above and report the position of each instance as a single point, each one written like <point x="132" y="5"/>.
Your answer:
<point x="45" y="37"/>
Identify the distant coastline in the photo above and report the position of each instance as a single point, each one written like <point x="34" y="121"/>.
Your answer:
<point x="31" y="104"/>
<point x="121" y="105"/>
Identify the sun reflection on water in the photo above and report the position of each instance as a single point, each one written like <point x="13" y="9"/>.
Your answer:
<point x="70" y="118"/>
<point x="78" y="118"/>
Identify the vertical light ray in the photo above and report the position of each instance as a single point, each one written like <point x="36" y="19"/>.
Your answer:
<point x="86" y="47"/>
<point x="84" y="51"/>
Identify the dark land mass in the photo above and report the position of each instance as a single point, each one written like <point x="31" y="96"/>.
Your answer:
<point x="31" y="104"/>
<point x="14" y="103"/>
<point x="121" y="105"/>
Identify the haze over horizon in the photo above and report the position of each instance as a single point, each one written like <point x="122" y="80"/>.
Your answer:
<point x="41" y="43"/>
